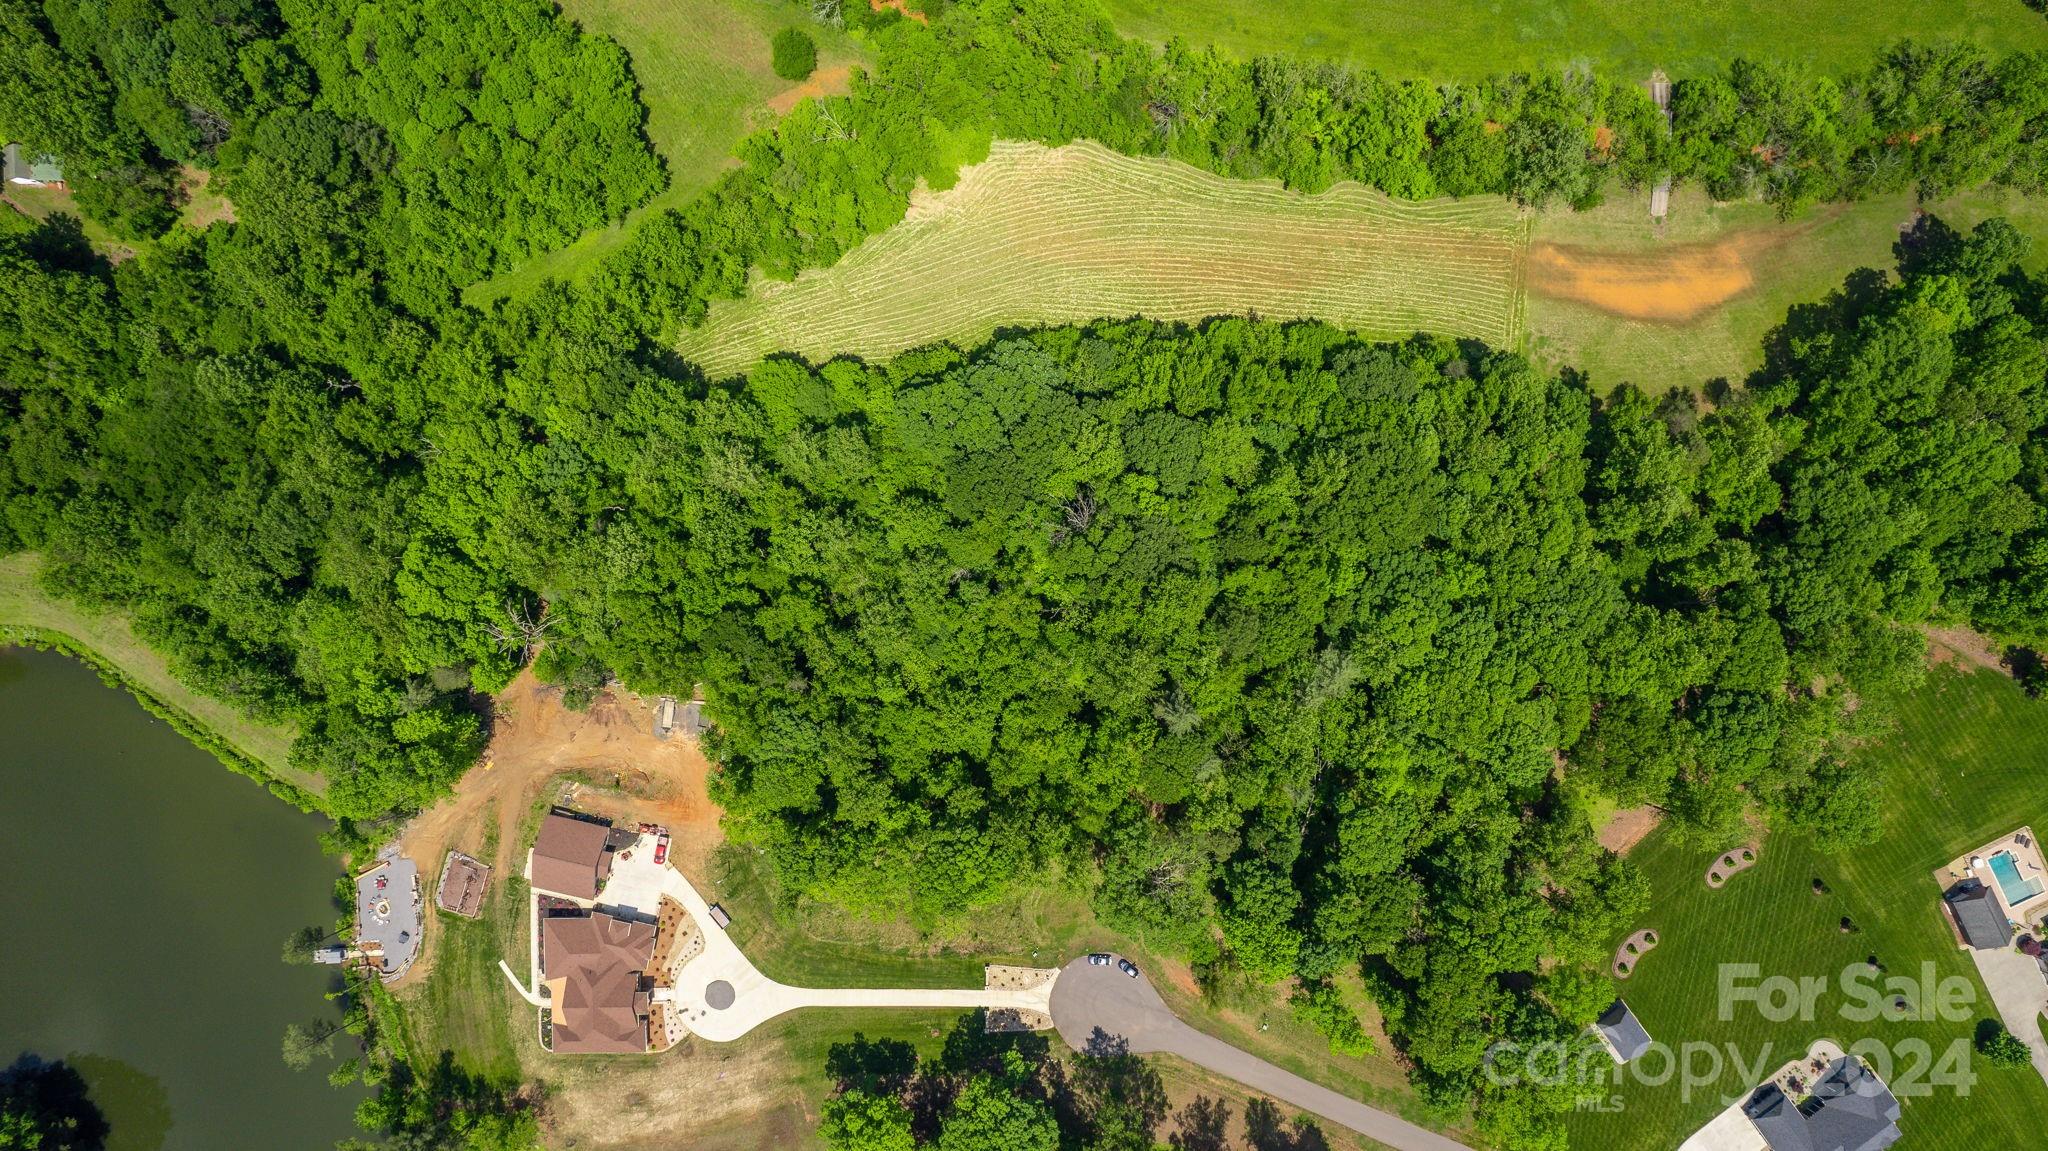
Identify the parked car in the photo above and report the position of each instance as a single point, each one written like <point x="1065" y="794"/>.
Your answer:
<point x="1098" y="960"/>
<point x="661" y="850"/>
<point x="1127" y="967"/>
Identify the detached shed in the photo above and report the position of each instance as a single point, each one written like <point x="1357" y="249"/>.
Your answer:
<point x="32" y="172"/>
<point x="1622" y="1032"/>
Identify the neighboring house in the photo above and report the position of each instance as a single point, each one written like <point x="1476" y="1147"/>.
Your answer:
<point x="1979" y="918"/>
<point x="570" y="856"/>
<point x="598" y="995"/>
<point x="1850" y="1109"/>
<point x="39" y="172"/>
<point x="1622" y="1032"/>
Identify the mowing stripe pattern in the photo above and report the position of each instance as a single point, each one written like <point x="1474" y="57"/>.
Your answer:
<point x="1039" y="235"/>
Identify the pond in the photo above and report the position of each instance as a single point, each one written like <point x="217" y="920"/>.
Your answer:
<point x="145" y="895"/>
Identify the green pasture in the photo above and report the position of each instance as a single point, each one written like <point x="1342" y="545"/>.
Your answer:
<point x="1966" y="763"/>
<point x="703" y="70"/>
<point x="1469" y="39"/>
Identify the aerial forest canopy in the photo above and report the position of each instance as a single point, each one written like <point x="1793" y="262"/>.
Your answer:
<point x="1301" y="653"/>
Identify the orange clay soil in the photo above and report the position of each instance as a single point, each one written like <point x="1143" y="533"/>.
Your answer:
<point x="1672" y="285"/>
<point x="900" y="6"/>
<point x="533" y="740"/>
<point x="823" y="82"/>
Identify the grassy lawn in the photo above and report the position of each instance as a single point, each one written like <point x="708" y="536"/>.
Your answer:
<point x="466" y="1006"/>
<point x="1795" y="261"/>
<point x="109" y="638"/>
<point x="703" y="69"/>
<point x="1967" y="763"/>
<point x="1465" y="39"/>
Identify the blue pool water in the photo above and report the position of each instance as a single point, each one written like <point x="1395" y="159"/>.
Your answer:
<point x="2017" y="890"/>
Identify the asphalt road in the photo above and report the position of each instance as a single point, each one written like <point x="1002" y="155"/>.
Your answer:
<point x="1094" y="1005"/>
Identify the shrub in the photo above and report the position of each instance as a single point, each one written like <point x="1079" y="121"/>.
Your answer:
<point x="796" y="54"/>
<point x="1999" y="1047"/>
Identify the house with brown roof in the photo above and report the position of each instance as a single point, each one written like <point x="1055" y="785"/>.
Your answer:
<point x="598" y="995"/>
<point x="570" y="857"/>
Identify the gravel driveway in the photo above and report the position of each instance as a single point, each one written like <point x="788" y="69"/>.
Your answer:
<point x="1091" y="1005"/>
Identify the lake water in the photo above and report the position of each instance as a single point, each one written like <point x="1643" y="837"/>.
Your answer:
<point x="145" y="894"/>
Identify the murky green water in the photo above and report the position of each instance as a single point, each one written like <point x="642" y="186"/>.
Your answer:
<point x="145" y="893"/>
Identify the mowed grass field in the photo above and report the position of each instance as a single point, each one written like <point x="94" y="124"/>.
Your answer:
<point x="1038" y="236"/>
<point x="1967" y="763"/>
<point x="1468" y="39"/>
<point x="704" y="74"/>
<point x="1041" y="235"/>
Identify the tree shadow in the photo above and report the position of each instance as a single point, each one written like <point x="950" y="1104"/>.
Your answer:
<point x="1202" y="1125"/>
<point x="1266" y="1130"/>
<point x="875" y="1066"/>
<point x="57" y="1103"/>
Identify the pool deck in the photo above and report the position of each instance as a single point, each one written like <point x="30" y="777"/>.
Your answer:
<point x="2025" y="849"/>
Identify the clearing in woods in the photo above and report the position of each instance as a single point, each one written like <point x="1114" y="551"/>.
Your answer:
<point x="1039" y="235"/>
<point x="703" y="71"/>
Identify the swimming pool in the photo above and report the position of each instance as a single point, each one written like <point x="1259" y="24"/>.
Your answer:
<point x="2017" y="889"/>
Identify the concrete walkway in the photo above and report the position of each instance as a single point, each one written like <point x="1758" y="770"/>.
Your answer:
<point x="2020" y="994"/>
<point x="1093" y="1005"/>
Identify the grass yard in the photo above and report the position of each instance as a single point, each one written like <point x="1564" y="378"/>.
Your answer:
<point x="1046" y="236"/>
<point x="1966" y="763"/>
<point x="1466" y="39"/>
<point x="703" y="70"/>
<point x="23" y="605"/>
<point x="1774" y="264"/>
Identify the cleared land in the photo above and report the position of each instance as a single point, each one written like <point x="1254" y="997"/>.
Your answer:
<point x="108" y="637"/>
<point x="1965" y="765"/>
<point x="1467" y="39"/>
<point x="703" y="70"/>
<point x="1042" y="235"/>
<point x="1624" y="298"/>
<point x="1038" y="235"/>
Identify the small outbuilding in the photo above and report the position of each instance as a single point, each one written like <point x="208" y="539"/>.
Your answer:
<point x="32" y="172"/>
<point x="1622" y="1032"/>
<point x="571" y="856"/>
<point x="1979" y="917"/>
<point x="463" y="881"/>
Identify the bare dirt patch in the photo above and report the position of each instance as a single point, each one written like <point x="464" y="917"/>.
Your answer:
<point x="535" y="739"/>
<point x="900" y="6"/>
<point x="1960" y="645"/>
<point x="823" y="82"/>
<point x="1626" y="828"/>
<point x="1672" y="285"/>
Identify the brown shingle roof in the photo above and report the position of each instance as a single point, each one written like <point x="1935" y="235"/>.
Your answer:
<point x="592" y="964"/>
<point x="569" y="856"/>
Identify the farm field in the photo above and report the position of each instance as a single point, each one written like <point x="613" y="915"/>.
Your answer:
<point x="1045" y="236"/>
<point x="1468" y="39"/>
<point x="1965" y="763"/>
<point x="703" y="70"/>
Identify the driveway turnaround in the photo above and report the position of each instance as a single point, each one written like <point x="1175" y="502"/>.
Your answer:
<point x="1093" y="1006"/>
<point x="721" y="996"/>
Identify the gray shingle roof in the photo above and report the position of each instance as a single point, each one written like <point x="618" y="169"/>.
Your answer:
<point x="1624" y="1031"/>
<point x="1978" y="915"/>
<point x="1850" y="1110"/>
